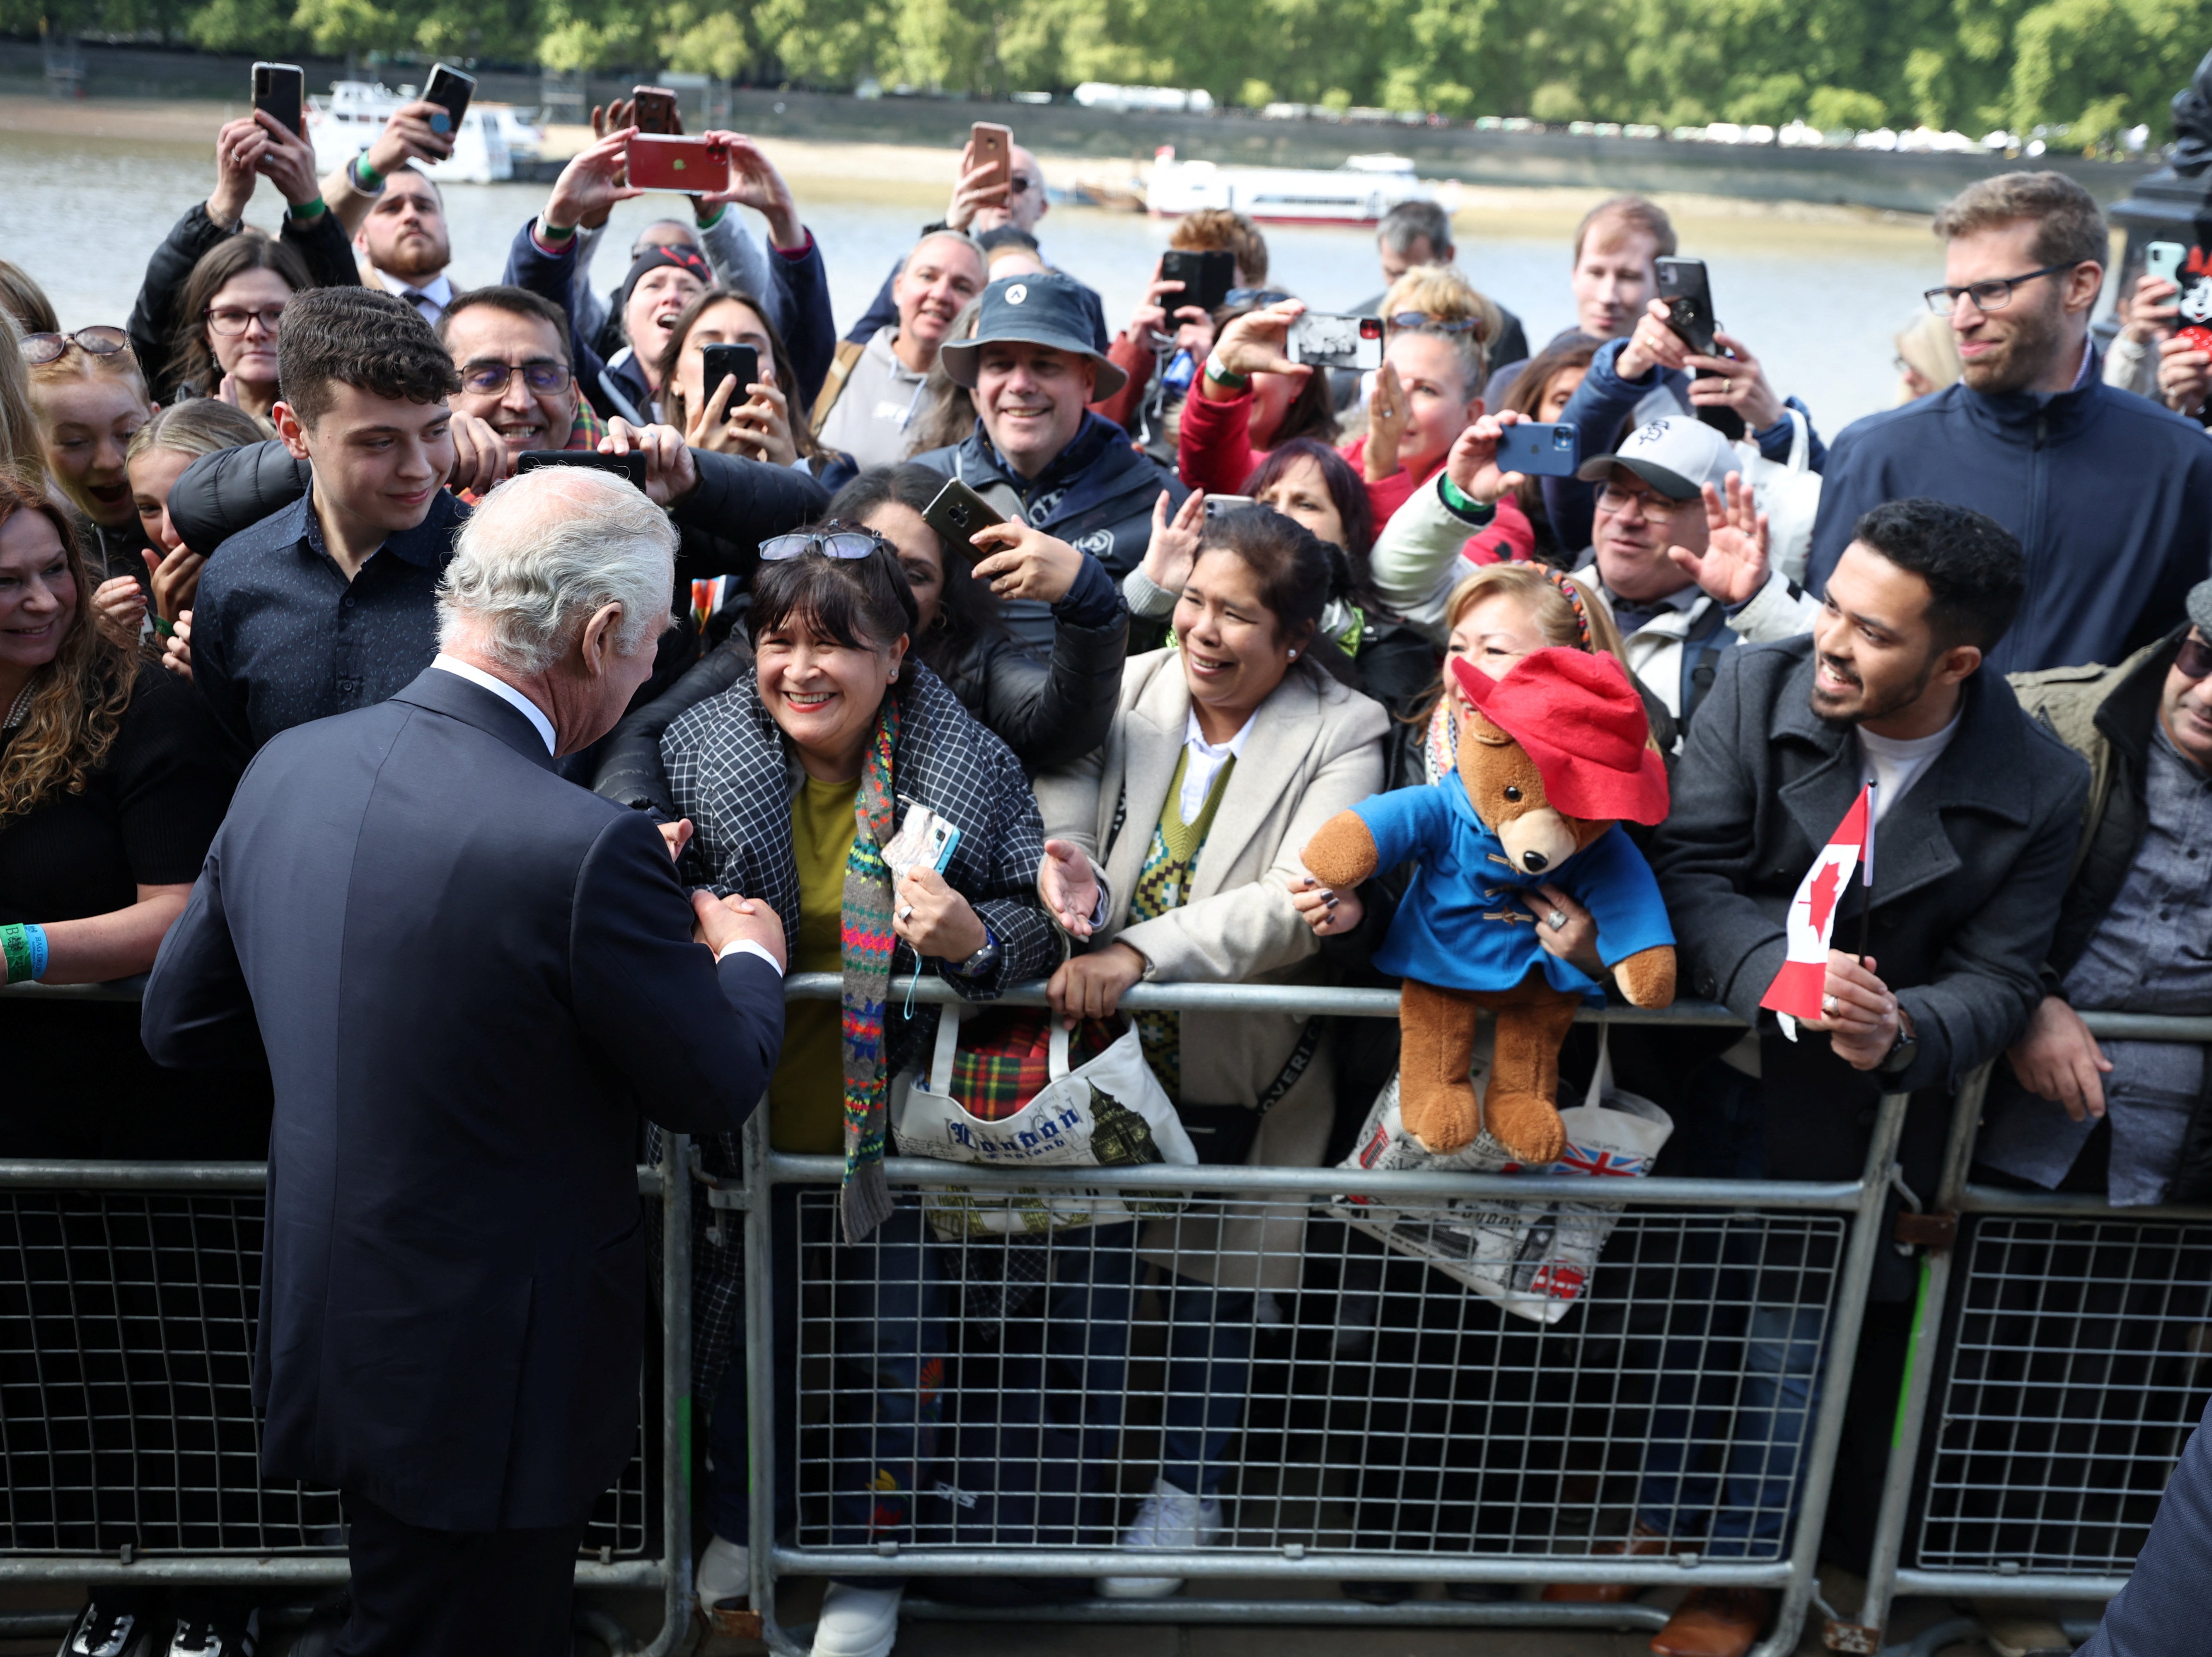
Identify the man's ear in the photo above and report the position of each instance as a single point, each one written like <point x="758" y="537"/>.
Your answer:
<point x="2083" y="283"/>
<point x="1957" y="664"/>
<point x="596" y="643"/>
<point x="290" y="430"/>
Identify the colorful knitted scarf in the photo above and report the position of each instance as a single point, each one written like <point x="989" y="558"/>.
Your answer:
<point x="868" y="944"/>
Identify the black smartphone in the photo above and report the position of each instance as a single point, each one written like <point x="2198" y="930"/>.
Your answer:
<point x="957" y="513"/>
<point x="738" y="363"/>
<point x="451" y="90"/>
<point x="1689" y="296"/>
<point x="631" y="465"/>
<point x="282" y="90"/>
<point x="1207" y="279"/>
<point x="656" y="112"/>
<point x="1540" y="449"/>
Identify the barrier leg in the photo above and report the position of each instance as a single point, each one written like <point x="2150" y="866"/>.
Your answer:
<point x="675" y="1393"/>
<point x="1920" y="1363"/>
<point x="1835" y="1382"/>
<point x="761" y="1388"/>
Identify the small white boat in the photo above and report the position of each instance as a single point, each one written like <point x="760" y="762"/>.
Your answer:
<point x="347" y="122"/>
<point x="1360" y="191"/>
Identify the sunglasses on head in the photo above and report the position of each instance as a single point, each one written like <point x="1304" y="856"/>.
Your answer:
<point x="1253" y="296"/>
<point x="2195" y="660"/>
<point x="99" y="341"/>
<point x="1440" y="324"/>
<point x="832" y="540"/>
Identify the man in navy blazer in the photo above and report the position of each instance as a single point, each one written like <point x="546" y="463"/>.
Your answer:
<point x="472" y="979"/>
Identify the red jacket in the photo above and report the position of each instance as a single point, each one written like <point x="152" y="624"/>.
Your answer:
<point x="1215" y="453"/>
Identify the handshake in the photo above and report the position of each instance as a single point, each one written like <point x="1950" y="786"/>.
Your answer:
<point x="719" y="922"/>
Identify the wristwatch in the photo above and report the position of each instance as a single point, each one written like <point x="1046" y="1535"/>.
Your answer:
<point x="982" y="960"/>
<point x="1903" y="1051"/>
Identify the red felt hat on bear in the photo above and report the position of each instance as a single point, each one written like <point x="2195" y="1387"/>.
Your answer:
<point x="1576" y="715"/>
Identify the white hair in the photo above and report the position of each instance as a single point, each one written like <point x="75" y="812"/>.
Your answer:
<point x="545" y="549"/>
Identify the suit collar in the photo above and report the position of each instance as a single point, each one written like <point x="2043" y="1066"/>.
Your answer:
<point x="441" y="692"/>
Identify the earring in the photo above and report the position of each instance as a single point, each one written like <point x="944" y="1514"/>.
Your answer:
<point x="1294" y="655"/>
<point x="895" y="676"/>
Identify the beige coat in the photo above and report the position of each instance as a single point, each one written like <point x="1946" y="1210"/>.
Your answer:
<point x="1317" y="749"/>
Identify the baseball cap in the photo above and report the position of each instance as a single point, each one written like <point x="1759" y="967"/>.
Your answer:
<point x="1044" y="310"/>
<point x="1676" y="456"/>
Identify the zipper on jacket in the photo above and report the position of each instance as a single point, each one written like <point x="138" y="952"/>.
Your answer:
<point x="2029" y="541"/>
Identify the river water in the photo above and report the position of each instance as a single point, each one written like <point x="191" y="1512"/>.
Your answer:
<point x="1817" y="300"/>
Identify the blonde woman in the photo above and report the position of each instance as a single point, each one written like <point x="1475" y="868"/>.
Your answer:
<point x="18" y="426"/>
<point x="89" y="397"/>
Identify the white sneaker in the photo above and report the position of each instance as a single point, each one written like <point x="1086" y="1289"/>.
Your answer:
<point x="1171" y="1518"/>
<point x="857" y="1621"/>
<point x="726" y="1573"/>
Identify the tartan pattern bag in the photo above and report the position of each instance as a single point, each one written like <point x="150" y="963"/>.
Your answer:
<point x="1005" y="1058"/>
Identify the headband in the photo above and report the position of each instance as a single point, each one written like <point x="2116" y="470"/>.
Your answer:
<point x="1558" y="579"/>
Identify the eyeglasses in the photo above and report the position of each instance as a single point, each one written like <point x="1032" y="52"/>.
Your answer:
<point x="832" y="540"/>
<point x="1439" y="325"/>
<point x="1992" y="296"/>
<point x="1020" y="184"/>
<point x="1656" y="507"/>
<point x="227" y="322"/>
<point x="2195" y="660"/>
<point x="486" y="378"/>
<point x="100" y="341"/>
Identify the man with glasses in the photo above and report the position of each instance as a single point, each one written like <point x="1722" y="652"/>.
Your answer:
<point x="976" y="207"/>
<point x="2132" y="936"/>
<point x="511" y="348"/>
<point x="2109" y="494"/>
<point x="1682" y="558"/>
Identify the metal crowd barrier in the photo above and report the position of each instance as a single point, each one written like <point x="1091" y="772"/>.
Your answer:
<point x="1535" y="1488"/>
<point x="2059" y="1346"/>
<point x="2057" y="1365"/>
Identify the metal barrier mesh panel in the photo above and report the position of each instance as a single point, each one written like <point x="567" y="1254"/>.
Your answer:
<point x="126" y="1369"/>
<point x="2078" y="1371"/>
<point x="1334" y="1390"/>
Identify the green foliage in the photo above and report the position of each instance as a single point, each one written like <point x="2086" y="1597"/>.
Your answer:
<point x="2096" y="66"/>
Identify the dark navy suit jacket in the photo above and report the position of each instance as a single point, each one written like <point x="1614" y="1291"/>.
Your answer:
<point x="2161" y="1612"/>
<point x="472" y="978"/>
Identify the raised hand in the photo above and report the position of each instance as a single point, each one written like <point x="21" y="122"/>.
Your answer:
<point x="1390" y="410"/>
<point x="1734" y="566"/>
<point x="1472" y="465"/>
<point x="1069" y="886"/>
<point x="670" y="473"/>
<point x="1174" y="546"/>
<point x="592" y="182"/>
<point x="754" y="182"/>
<point x="1023" y="562"/>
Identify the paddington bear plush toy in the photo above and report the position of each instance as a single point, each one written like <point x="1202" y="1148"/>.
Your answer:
<point x="1550" y="757"/>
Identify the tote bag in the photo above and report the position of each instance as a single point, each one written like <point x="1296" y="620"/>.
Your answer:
<point x="1108" y="1112"/>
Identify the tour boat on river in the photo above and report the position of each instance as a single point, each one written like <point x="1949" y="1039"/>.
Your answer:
<point x="1360" y="191"/>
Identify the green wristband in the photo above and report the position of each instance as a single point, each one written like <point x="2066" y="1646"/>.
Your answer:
<point x="163" y="627"/>
<point x="712" y="218"/>
<point x="1463" y="505"/>
<point x="366" y="176"/>
<point x="552" y="231"/>
<point x="15" y="950"/>
<point x="308" y="212"/>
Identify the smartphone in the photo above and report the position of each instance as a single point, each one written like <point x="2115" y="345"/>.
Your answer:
<point x="1207" y="279"/>
<point x="992" y="146"/>
<point x="631" y="465"/>
<point x="656" y="111"/>
<point x="1538" y="449"/>
<point x="1336" y="342"/>
<point x="450" y="89"/>
<point x="2165" y="258"/>
<point x="1689" y="296"/>
<point x="692" y="165"/>
<point x="1216" y="503"/>
<point x="957" y="513"/>
<point x="282" y="89"/>
<point x="738" y="363"/>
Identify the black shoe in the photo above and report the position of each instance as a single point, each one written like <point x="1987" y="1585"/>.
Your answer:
<point x="114" y="1622"/>
<point x="210" y="1629"/>
<point x="1377" y="1593"/>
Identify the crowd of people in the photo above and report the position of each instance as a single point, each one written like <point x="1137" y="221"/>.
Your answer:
<point x="293" y="480"/>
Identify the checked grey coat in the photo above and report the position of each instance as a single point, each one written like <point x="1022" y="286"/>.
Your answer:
<point x="731" y="771"/>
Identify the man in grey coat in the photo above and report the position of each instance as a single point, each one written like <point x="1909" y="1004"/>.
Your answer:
<point x="1977" y="811"/>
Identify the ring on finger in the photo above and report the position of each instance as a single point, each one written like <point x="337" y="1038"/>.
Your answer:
<point x="1828" y="1005"/>
<point x="906" y="913"/>
<point x="1557" y="920"/>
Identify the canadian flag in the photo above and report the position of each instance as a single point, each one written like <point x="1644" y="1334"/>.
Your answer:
<point x="1797" y="988"/>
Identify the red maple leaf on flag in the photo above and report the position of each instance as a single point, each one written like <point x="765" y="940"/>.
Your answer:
<point x="1826" y="885"/>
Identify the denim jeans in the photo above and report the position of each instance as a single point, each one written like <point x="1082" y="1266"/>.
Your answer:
<point x="1209" y="1372"/>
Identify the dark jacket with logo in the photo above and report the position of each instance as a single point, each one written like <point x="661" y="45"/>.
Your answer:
<point x="2110" y="494"/>
<point x="1970" y="867"/>
<point x="1098" y="495"/>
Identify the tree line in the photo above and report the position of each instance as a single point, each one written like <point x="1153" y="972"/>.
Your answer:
<point x="2096" y="67"/>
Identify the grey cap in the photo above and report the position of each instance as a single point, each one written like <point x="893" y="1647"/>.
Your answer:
<point x="1676" y="456"/>
<point x="2200" y="607"/>
<point x="1046" y="310"/>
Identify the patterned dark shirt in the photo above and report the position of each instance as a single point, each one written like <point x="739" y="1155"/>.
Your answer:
<point x="281" y="637"/>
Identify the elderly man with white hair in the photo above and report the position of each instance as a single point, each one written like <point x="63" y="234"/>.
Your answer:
<point x="472" y="978"/>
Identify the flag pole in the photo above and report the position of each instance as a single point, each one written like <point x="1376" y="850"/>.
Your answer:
<point x="1866" y="874"/>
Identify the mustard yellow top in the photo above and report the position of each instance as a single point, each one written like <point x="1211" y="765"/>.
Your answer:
<point x="807" y="1097"/>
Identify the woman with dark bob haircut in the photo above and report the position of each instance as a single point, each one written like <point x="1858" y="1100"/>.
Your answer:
<point x="1175" y="859"/>
<point x="795" y="778"/>
<point x="1044" y="711"/>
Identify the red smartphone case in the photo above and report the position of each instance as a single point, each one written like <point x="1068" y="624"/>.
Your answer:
<point x="692" y="165"/>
